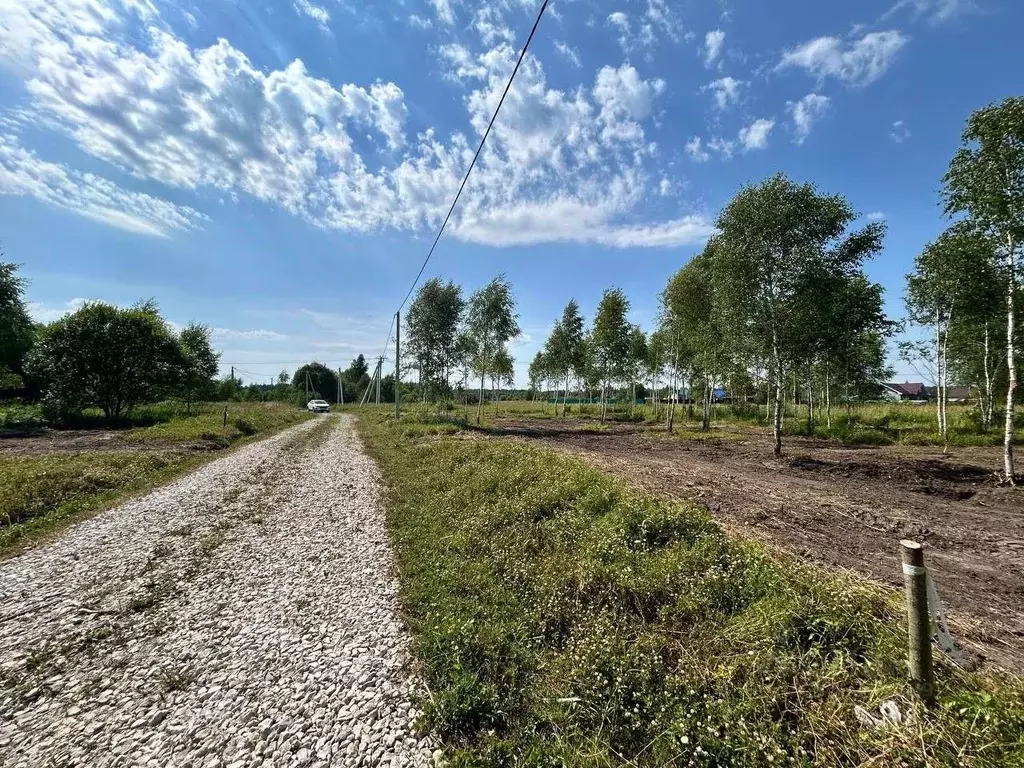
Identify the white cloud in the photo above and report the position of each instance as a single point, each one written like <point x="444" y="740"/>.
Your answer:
<point x="24" y="174"/>
<point x="419" y="22"/>
<point x="714" y="41"/>
<point x="229" y="334"/>
<point x="724" y="147"/>
<point x="665" y="187"/>
<point x="696" y="151"/>
<point x="755" y="135"/>
<point x="936" y="11"/>
<point x="443" y="9"/>
<point x="643" y="31"/>
<point x="726" y="91"/>
<point x="318" y="13"/>
<point x="806" y="112"/>
<point x="875" y="216"/>
<point x="46" y="313"/>
<point x="857" y="64"/>
<point x="488" y="23"/>
<point x="899" y="132"/>
<point x="209" y="119"/>
<point x="571" y="54"/>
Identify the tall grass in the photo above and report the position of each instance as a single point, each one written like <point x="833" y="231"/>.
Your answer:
<point x="563" y="620"/>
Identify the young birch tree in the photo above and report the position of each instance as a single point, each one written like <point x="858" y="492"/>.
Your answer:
<point x="771" y="235"/>
<point x="610" y="337"/>
<point x="688" y="299"/>
<point x="491" y="322"/>
<point x="432" y="332"/>
<point x="985" y="181"/>
<point x="950" y="275"/>
<point x="564" y="347"/>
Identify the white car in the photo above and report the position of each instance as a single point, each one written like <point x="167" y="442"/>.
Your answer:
<point x="318" y="406"/>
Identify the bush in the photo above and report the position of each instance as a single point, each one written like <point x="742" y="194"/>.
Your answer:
<point x="245" y="426"/>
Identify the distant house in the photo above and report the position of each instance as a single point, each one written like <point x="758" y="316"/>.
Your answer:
<point x="915" y="392"/>
<point x="908" y="391"/>
<point x="953" y="394"/>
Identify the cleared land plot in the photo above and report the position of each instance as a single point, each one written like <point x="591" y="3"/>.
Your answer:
<point x="840" y="505"/>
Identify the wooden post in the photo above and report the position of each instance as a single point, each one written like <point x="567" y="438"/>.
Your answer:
<point x="919" y="626"/>
<point x="225" y="415"/>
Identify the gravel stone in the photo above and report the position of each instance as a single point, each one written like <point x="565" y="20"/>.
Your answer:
<point x="244" y="615"/>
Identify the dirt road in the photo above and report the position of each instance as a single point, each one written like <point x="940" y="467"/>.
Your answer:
<point x="844" y="506"/>
<point x="244" y="615"/>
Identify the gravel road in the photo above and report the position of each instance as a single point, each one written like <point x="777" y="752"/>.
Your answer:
<point x="244" y="615"/>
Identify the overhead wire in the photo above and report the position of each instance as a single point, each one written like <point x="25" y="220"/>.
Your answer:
<point x="476" y="156"/>
<point x="465" y="179"/>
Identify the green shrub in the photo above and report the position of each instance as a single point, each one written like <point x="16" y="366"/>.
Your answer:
<point x="245" y="426"/>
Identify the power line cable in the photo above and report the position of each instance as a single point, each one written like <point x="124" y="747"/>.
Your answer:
<point x="479" y="149"/>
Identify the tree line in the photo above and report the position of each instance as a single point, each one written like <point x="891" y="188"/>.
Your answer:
<point x="451" y="339"/>
<point x="117" y="358"/>
<point x="964" y="285"/>
<point x="779" y="301"/>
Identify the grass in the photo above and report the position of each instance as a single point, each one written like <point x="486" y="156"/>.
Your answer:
<point x="859" y="424"/>
<point x="16" y="416"/>
<point x="41" y="493"/>
<point x="563" y="620"/>
<point x="244" y="420"/>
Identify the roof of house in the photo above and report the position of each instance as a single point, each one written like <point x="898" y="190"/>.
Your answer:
<point x="910" y="389"/>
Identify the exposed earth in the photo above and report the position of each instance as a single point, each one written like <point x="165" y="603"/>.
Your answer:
<point x="841" y="505"/>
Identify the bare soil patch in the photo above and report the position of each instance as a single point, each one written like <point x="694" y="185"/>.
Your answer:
<point x="841" y="506"/>
<point x="45" y="441"/>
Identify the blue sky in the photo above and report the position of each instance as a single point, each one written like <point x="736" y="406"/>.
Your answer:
<point x="277" y="169"/>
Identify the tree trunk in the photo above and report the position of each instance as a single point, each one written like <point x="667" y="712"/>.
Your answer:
<point x="673" y="396"/>
<point x="987" y="398"/>
<point x="705" y="421"/>
<point x="828" y="398"/>
<point x="810" y="401"/>
<point x="604" y="400"/>
<point x="1011" y="361"/>
<point x="779" y="405"/>
<point x="938" y="376"/>
<point x="480" y="405"/>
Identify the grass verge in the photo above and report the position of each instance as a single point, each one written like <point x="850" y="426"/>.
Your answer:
<point x="564" y="620"/>
<point x="42" y="493"/>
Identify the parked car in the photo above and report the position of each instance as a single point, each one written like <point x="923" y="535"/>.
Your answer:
<point x="318" y="406"/>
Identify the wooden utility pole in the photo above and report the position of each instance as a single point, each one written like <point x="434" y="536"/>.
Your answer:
<point x="915" y="582"/>
<point x="341" y="397"/>
<point x="398" y="357"/>
<point x="380" y="370"/>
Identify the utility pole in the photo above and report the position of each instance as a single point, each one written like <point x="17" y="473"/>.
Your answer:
<point x="232" y="374"/>
<point x="307" y="386"/>
<point x="341" y="393"/>
<point x="398" y="356"/>
<point x="380" y="370"/>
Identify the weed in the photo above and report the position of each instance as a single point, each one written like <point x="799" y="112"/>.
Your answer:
<point x="175" y="679"/>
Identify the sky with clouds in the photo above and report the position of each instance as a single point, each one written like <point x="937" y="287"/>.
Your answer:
<point x="277" y="169"/>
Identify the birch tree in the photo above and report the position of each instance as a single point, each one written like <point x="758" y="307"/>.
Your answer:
<point x="985" y="181"/>
<point x="772" y="234"/>
<point x="432" y="331"/>
<point x="950" y="275"/>
<point x="688" y="298"/>
<point x="610" y="337"/>
<point x="564" y="349"/>
<point x="491" y="322"/>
